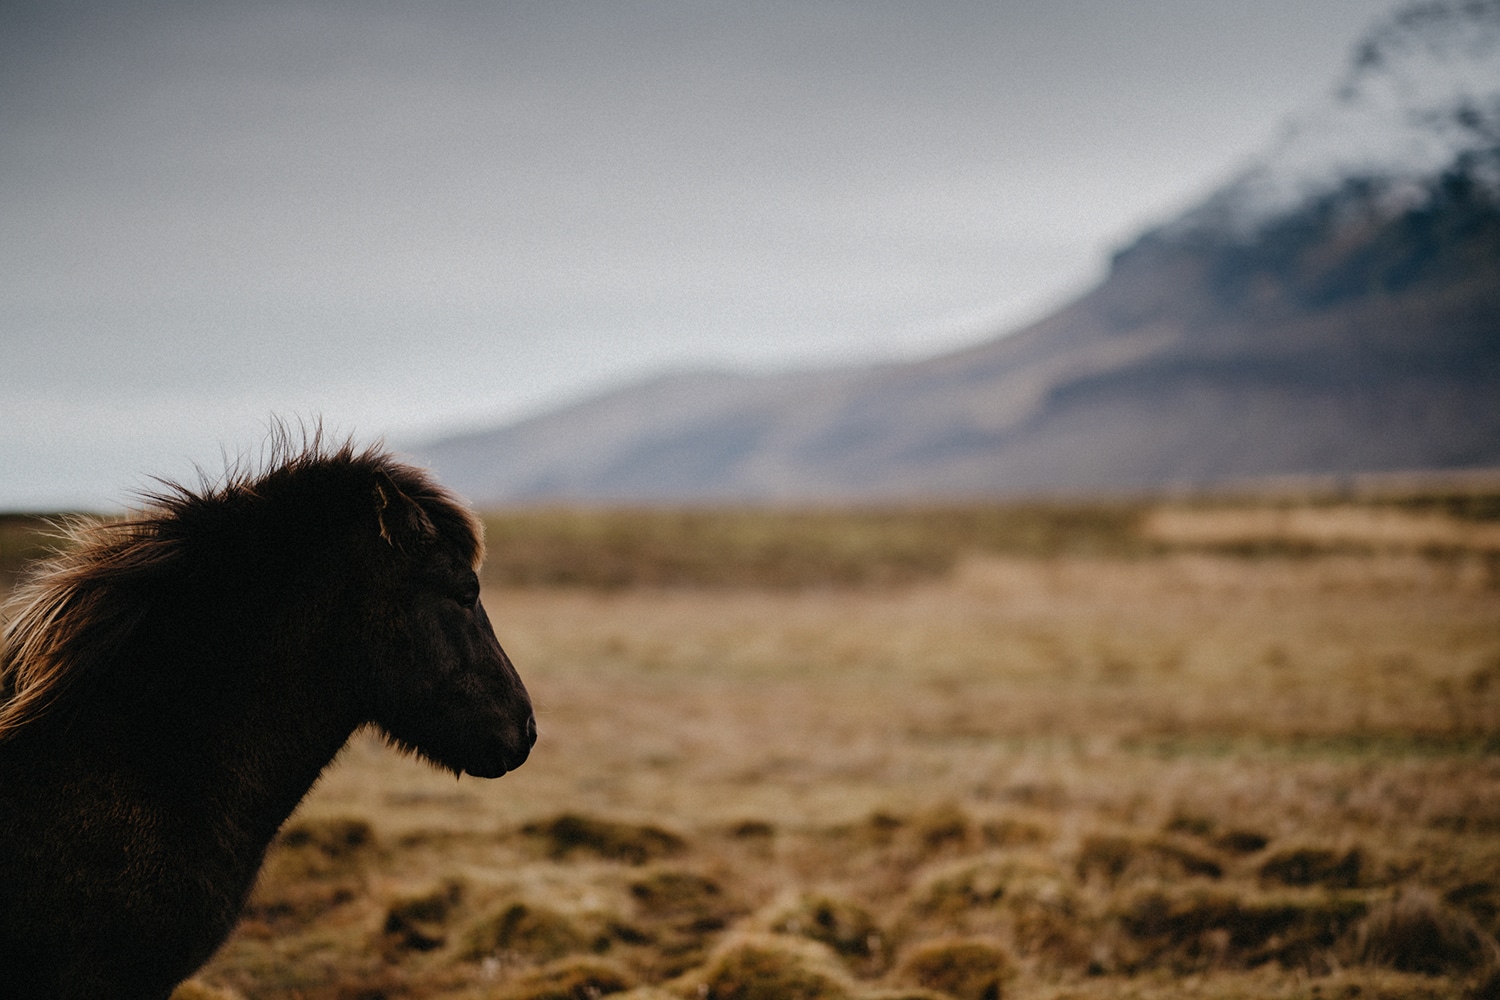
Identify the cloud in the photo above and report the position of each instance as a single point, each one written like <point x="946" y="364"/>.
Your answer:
<point x="455" y="211"/>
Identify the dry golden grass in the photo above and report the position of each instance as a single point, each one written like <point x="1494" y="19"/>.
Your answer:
<point x="1323" y="527"/>
<point x="1172" y="774"/>
<point x="1143" y="767"/>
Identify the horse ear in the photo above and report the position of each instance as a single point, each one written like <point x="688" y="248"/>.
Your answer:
<point x="401" y="518"/>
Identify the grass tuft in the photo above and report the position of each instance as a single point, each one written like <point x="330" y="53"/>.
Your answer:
<point x="1193" y="930"/>
<point x="966" y="968"/>
<point x="671" y="893"/>
<point x="534" y="933"/>
<point x="419" y="923"/>
<point x="338" y="838"/>
<point x="570" y="834"/>
<point x="570" y="979"/>
<point x="772" y="968"/>
<point x="1416" y="932"/>
<point x="843" y="926"/>
<point x="1116" y="858"/>
<point x="1315" y="866"/>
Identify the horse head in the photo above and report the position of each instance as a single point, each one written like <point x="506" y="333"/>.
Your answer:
<point x="440" y="684"/>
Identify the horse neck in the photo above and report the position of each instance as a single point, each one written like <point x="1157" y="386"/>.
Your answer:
<point x="238" y="731"/>
<point x="296" y="717"/>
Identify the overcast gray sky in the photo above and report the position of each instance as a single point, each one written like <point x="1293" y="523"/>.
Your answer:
<point x="411" y="218"/>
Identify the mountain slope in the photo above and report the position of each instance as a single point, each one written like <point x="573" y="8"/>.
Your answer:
<point x="1335" y="308"/>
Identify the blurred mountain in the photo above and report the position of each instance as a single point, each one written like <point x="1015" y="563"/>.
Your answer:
<point x="1333" y="309"/>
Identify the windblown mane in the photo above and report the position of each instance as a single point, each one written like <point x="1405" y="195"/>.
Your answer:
<point x="81" y="608"/>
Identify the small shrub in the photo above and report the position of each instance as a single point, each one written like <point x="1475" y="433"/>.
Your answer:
<point x="1415" y="932"/>
<point x="571" y="834"/>
<point x="966" y="968"/>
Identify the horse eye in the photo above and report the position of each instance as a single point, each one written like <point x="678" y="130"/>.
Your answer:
<point x="468" y="591"/>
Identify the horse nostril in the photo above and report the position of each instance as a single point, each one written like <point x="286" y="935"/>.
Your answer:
<point x="531" y="731"/>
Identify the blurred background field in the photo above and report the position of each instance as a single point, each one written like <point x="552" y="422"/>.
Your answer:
<point x="1224" y="748"/>
<point x="1169" y="741"/>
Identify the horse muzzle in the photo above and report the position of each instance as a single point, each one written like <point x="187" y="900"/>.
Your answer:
<point x="504" y="753"/>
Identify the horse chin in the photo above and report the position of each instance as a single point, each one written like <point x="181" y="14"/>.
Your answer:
<point x="495" y="761"/>
<point x="487" y="762"/>
<point x="481" y="756"/>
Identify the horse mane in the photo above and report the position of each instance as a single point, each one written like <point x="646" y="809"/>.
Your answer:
<point x="79" y="609"/>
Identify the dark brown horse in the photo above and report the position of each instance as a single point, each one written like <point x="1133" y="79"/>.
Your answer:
<point x="172" y="687"/>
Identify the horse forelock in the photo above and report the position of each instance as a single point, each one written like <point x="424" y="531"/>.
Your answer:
<point x="80" y="609"/>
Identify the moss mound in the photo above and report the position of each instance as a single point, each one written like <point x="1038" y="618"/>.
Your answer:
<point x="967" y="968"/>
<point x="772" y="968"/>
<point x="1415" y="932"/>
<point x="1241" y="841"/>
<point x="313" y="867"/>
<point x="338" y="837"/>
<point x="534" y="932"/>
<point x="671" y="893"/>
<point x="846" y="927"/>
<point x="1315" y="866"/>
<point x="1194" y="930"/>
<point x="419" y="923"/>
<point x="1116" y="858"/>
<point x="571" y="834"/>
<point x="570" y="979"/>
<point x="944" y="827"/>
<point x="963" y="886"/>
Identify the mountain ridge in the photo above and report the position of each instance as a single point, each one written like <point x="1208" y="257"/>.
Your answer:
<point x="1358" y="331"/>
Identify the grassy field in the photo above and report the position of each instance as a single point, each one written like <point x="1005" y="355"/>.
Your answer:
<point x="1118" y="750"/>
